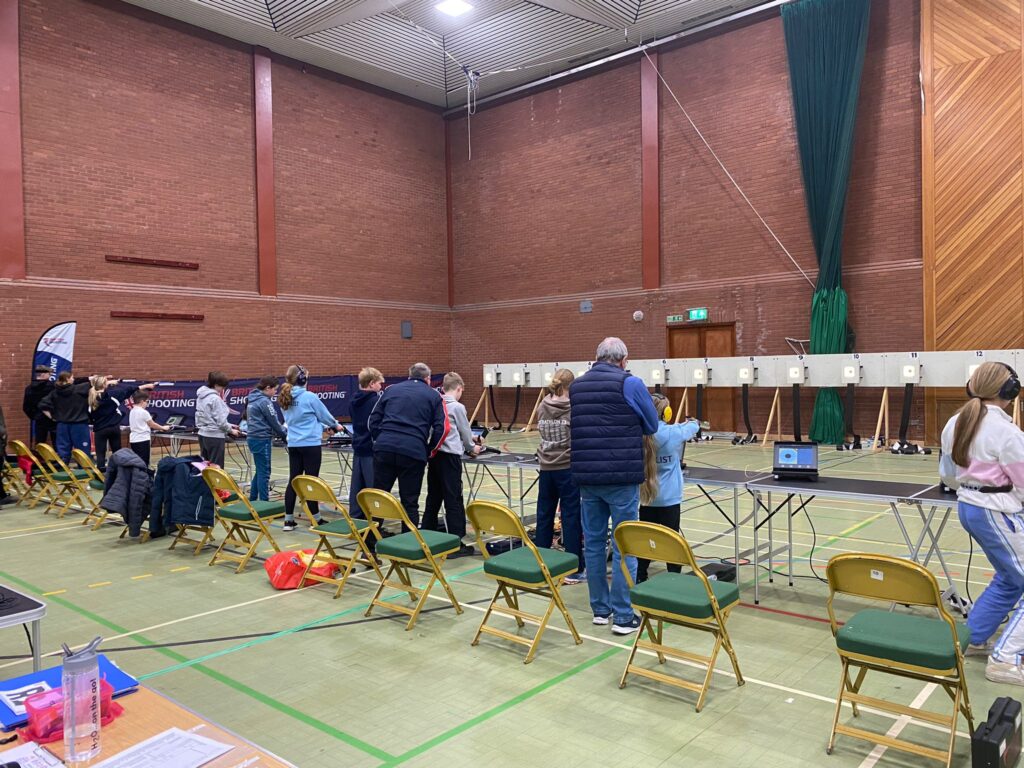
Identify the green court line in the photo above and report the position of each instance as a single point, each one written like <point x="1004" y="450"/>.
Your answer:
<point x="497" y="710"/>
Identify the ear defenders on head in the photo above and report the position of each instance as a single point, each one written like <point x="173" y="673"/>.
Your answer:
<point x="667" y="415"/>
<point x="1009" y="390"/>
<point x="303" y="376"/>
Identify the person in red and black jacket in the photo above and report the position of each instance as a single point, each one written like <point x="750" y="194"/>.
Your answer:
<point x="407" y="426"/>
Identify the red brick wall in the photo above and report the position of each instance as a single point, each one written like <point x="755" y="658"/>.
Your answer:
<point x="138" y="140"/>
<point x="715" y="252"/>
<point x="359" y="183"/>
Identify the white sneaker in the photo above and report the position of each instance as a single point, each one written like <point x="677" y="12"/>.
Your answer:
<point x="602" y="621"/>
<point x="985" y="649"/>
<point x="1001" y="672"/>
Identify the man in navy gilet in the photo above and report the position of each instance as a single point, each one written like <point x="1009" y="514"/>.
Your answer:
<point x="611" y="413"/>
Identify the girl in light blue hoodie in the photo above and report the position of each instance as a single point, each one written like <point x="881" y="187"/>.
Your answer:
<point x="666" y="493"/>
<point x="307" y="418"/>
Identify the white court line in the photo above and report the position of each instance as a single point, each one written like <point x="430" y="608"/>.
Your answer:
<point x="168" y="623"/>
<point x="72" y="526"/>
<point x="755" y="681"/>
<point x="901" y="722"/>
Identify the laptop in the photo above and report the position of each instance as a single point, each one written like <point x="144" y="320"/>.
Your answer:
<point x="795" y="461"/>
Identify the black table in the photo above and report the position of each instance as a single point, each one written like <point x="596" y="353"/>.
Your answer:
<point x="18" y="608"/>
<point x="478" y="468"/>
<point x="736" y="479"/>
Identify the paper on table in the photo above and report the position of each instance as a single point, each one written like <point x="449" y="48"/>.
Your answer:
<point x="30" y="755"/>
<point x="174" y="748"/>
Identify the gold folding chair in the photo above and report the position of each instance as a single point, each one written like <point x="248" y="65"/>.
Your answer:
<point x="14" y="478"/>
<point x="924" y="648"/>
<point x="241" y="517"/>
<point x="683" y="599"/>
<point x="529" y="568"/>
<point x="414" y="550"/>
<point x="313" y="489"/>
<point x="69" y="483"/>
<point x="96" y="482"/>
<point x="42" y="486"/>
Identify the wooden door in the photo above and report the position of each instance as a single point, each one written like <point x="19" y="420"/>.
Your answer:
<point x="692" y="341"/>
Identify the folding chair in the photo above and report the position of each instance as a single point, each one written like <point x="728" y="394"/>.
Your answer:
<point x="14" y="478"/>
<point x="924" y="648"/>
<point x="42" y="486"/>
<point x="414" y="550"/>
<point x="313" y="489"/>
<point x="67" y="482"/>
<point x="683" y="599"/>
<point x="529" y="568"/>
<point x="96" y="482"/>
<point x="241" y="517"/>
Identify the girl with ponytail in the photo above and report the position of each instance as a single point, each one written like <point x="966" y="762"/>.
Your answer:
<point x="983" y="457"/>
<point x="109" y="401"/>
<point x="662" y="491"/>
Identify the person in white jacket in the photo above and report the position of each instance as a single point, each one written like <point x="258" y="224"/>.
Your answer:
<point x="212" y="418"/>
<point x="983" y="457"/>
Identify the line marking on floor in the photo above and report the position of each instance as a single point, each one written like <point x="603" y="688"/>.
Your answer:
<point x="901" y="722"/>
<point x="54" y="592"/>
<point x="101" y="584"/>
<point x="142" y="576"/>
<point x="39" y="528"/>
<point x="72" y="527"/>
<point x="182" y="568"/>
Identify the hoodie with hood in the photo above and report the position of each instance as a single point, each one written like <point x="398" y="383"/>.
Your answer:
<point x="262" y="418"/>
<point x="360" y="410"/>
<point x="553" y="421"/>
<point x="68" y="404"/>
<point x="306" y="419"/>
<point x="211" y="413"/>
<point x="34" y="394"/>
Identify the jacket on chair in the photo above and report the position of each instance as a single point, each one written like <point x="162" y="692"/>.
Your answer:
<point x="129" y="489"/>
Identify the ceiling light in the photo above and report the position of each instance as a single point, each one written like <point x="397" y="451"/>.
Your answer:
<point x="454" y="7"/>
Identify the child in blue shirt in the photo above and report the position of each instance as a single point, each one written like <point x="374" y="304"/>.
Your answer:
<point x="666" y="492"/>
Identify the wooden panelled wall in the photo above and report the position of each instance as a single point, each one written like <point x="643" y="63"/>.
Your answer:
<point x="972" y="185"/>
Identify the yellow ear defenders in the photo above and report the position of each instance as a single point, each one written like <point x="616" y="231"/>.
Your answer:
<point x="667" y="415"/>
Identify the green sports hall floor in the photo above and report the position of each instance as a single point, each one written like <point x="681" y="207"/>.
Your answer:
<point x="311" y="679"/>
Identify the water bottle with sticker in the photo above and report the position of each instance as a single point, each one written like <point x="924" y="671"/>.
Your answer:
<point x="80" y="683"/>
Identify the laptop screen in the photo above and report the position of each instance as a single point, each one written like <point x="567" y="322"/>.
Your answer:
<point x="173" y="421"/>
<point x="798" y="456"/>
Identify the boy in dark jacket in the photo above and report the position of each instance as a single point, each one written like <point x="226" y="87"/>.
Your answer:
<point x="371" y="381"/>
<point x="5" y="498"/>
<point x="262" y="427"/>
<point x="44" y="430"/>
<point x="68" y="405"/>
<point x="408" y="425"/>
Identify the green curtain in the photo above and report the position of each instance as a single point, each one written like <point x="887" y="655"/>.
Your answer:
<point x="825" y="44"/>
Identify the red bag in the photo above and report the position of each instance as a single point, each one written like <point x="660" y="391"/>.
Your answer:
<point x="286" y="568"/>
<point x="25" y="465"/>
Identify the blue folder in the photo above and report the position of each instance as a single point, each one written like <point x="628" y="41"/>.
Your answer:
<point x="21" y="687"/>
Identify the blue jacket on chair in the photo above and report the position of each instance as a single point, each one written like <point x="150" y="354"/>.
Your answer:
<point x="611" y="412"/>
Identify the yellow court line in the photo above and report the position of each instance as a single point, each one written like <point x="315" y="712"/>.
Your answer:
<point x="179" y="570"/>
<point x="55" y="592"/>
<point x="101" y="584"/>
<point x="143" y="576"/>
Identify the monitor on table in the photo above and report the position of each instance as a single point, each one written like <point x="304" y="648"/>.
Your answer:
<point x="795" y="461"/>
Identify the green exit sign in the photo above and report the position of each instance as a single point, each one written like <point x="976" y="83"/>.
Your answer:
<point x="700" y="313"/>
<point x="674" y="319"/>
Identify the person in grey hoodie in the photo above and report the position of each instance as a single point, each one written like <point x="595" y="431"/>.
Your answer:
<point x="556" y="488"/>
<point x="263" y="427"/>
<point x="444" y="471"/>
<point x="212" y="418"/>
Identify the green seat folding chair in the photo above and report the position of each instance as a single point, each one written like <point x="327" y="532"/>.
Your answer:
<point x="313" y="489"/>
<point x="414" y="550"/>
<point x="926" y="648"/>
<point x="42" y="488"/>
<point x="528" y="568"/>
<point x="683" y="599"/>
<point x="96" y="482"/>
<point x="14" y="478"/>
<point x="241" y="518"/>
<point x="71" y="484"/>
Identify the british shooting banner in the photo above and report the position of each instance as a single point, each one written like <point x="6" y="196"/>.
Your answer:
<point x="56" y="349"/>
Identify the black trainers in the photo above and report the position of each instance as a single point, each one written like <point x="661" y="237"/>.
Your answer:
<point x="464" y="551"/>
<point x="627" y="629"/>
<point x="9" y="499"/>
<point x="289" y="525"/>
<point x="319" y="521"/>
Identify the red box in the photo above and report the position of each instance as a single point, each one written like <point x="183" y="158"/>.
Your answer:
<point x="46" y="713"/>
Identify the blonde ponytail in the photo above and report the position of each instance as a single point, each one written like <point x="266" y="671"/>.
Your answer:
<point x="649" y="488"/>
<point x="285" y="397"/>
<point x="985" y="384"/>
<point x="99" y="386"/>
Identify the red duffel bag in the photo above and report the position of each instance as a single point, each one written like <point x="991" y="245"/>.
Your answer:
<point x="286" y="568"/>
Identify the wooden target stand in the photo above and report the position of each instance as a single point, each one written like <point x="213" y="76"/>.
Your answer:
<point x="484" y="403"/>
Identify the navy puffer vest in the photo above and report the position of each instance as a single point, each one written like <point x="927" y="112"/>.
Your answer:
<point x="607" y="438"/>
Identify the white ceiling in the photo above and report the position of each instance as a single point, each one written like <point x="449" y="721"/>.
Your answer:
<point x="409" y="47"/>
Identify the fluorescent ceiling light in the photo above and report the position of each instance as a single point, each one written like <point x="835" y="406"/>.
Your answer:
<point x="454" y="7"/>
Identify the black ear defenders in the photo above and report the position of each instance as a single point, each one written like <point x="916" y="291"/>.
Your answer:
<point x="1010" y="388"/>
<point x="303" y="376"/>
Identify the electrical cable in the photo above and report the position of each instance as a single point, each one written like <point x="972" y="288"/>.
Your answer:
<point x="515" y="410"/>
<point x="746" y="413"/>
<point x="796" y="413"/>
<point x="814" y="543"/>
<point x="967" y="578"/>
<point x="494" y="410"/>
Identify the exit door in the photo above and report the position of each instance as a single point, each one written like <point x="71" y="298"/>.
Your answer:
<point x="706" y="341"/>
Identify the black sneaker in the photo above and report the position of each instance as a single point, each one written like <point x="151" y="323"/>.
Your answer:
<point x="8" y="500"/>
<point x="289" y="525"/>
<point x="464" y="551"/>
<point x="319" y="521"/>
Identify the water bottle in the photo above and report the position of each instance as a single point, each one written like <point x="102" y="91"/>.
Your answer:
<point x="80" y="682"/>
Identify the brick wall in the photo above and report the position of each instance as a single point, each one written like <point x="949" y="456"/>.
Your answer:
<point x="715" y="252"/>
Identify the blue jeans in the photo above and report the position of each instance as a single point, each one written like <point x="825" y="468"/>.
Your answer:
<point x="259" y="447"/>
<point x="70" y="436"/>
<point x="601" y="502"/>
<point x="362" y="477"/>
<point x="553" y="488"/>
<point x="1001" y="536"/>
